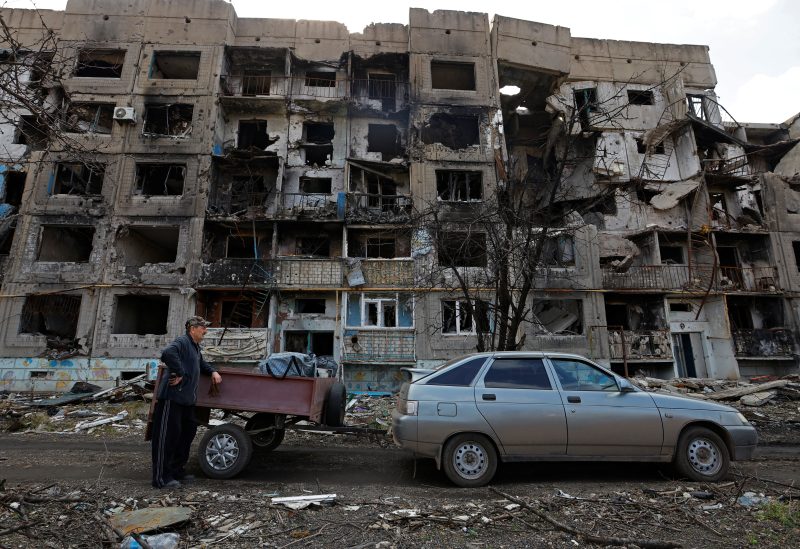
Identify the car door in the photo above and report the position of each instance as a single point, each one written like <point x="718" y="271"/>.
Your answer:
<point x="518" y="398"/>
<point x="602" y="420"/>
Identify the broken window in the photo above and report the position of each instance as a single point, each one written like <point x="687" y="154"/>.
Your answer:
<point x="237" y="313"/>
<point x="318" y="143"/>
<point x="160" y="179"/>
<point x="641" y="147"/>
<point x="90" y="117"/>
<point x="559" y="251"/>
<point x="175" y="65"/>
<point x="635" y="314"/>
<point x="675" y="307"/>
<point x="379" y="248"/>
<point x="51" y="315"/>
<point x="141" y="314"/>
<point x="461" y="319"/>
<point x="66" y="244"/>
<point x="139" y="245"/>
<point x="460" y="249"/>
<point x="695" y="104"/>
<point x="719" y="209"/>
<point x="585" y="104"/>
<point x="15" y="188"/>
<point x="671" y="255"/>
<point x="384" y="139"/>
<point x="168" y="120"/>
<point x="321" y="79"/>
<point x="78" y="179"/>
<point x="557" y="316"/>
<point x="31" y="132"/>
<point x="241" y="246"/>
<point x="451" y="75"/>
<point x="459" y="185"/>
<point x="318" y="343"/>
<point x="253" y="134"/>
<point x="380" y="312"/>
<point x="309" y="306"/>
<point x="454" y="132"/>
<point x="315" y="185"/>
<point x="796" y="249"/>
<point x="314" y="246"/>
<point x="640" y="97"/>
<point x="100" y="63"/>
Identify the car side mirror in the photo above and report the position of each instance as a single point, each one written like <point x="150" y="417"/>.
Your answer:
<point x="625" y="386"/>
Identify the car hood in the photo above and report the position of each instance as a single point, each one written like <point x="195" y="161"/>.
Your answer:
<point x="688" y="403"/>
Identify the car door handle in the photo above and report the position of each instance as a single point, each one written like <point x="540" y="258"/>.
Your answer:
<point x="489" y="396"/>
<point x="574" y="399"/>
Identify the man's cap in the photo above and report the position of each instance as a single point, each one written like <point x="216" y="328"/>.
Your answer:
<point x="196" y="321"/>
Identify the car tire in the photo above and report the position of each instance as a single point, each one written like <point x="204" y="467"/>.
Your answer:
<point x="265" y="441"/>
<point x="224" y="451"/>
<point x="702" y="455"/>
<point x="335" y="405"/>
<point x="469" y="460"/>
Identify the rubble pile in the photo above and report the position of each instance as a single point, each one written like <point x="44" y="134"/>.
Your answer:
<point x="374" y="412"/>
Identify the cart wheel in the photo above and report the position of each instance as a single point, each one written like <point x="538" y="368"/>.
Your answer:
<point x="335" y="404"/>
<point x="266" y="440"/>
<point x="224" y="451"/>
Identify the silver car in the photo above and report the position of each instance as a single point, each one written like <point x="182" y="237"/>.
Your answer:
<point x="520" y="406"/>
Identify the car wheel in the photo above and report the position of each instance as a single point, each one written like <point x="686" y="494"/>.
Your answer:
<point x="335" y="405"/>
<point x="224" y="451"/>
<point x="469" y="460"/>
<point x="702" y="455"/>
<point x="264" y="441"/>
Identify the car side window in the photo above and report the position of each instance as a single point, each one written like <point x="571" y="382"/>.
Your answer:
<point x="517" y="373"/>
<point x="459" y="376"/>
<point x="579" y="376"/>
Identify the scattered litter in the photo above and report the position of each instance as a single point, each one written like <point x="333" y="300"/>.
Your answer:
<point x="146" y="520"/>
<point x="301" y="502"/>
<point x="90" y="424"/>
<point x="169" y="540"/>
<point x="751" y="499"/>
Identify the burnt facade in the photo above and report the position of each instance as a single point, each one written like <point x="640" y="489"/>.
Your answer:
<point x="266" y="174"/>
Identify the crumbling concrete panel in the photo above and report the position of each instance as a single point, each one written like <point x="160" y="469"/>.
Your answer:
<point x="533" y="45"/>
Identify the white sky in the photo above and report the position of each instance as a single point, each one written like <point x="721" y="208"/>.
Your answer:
<point x="754" y="44"/>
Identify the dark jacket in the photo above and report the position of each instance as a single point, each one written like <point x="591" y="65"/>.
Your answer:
<point x="182" y="358"/>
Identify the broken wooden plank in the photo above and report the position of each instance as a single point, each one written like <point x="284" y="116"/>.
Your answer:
<point x="737" y="392"/>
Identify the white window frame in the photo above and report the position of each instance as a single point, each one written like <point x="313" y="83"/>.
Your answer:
<point x="459" y="331"/>
<point x="380" y="302"/>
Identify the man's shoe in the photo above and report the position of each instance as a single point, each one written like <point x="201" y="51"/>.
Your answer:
<point x="172" y="484"/>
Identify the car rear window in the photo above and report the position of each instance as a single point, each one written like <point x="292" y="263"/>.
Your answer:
<point x="517" y="373"/>
<point x="461" y="375"/>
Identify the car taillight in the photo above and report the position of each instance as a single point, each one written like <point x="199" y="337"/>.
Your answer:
<point x="407" y="407"/>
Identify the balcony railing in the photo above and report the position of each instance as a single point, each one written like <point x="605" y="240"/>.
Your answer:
<point x="389" y="345"/>
<point x="639" y="345"/>
<point x="309" y="273"/>
<point x="695" y="278"/>
<point x="238" y="343"/>
<point x="235" y="272"/>
<point x="388" y="92"/>
<point x="388" y="272"/>
<point x="303" y="203"/>
<point x="776" y="342"/>
<point x="378" y="207"/>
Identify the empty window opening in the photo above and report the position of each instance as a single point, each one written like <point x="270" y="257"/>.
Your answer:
<point x="671" y="255"/>
<point x="318" y="143"/>
<point x="377" y="247"/>
<point x="253" y="134"/>
<point x="15" y="187"/>
<point x="100" y="63"/>
<point x="380" y="312"/>
<point x="557" y="316"/>
<point x="796" y="249"/>
<point x="127" y="375"/>
<point x="321" y="79"/>
<point x="175" y="65"/>
<point x="459" y="249"/>
<point x="313" y="246"/>
<point x="168" y="120"/>
<point x="90" y="117"/>
<point x="256" y="82"/>
<point x="585" y="104"/>
<point x="66" y="244"/>
<point x="316" y="185"/>
<point x="237" y="314"/>
<point x="640" y="97"/>
<point x="459" y="186"/>
<point x="7" y="240"/>
<point x="454" y="132"/>
<point x="241" y="246"/>
<point x="449" y="75"/>
<point x="318" y="343"/>
<point x="645" y="195"/>
<point x="144" y="245"/>
<point x="31" y="132"/>
<point x="695" y="104"/>
<point x="39" y="374"/>
<point x="383" y="87"/>
<point x="460" y="316"/>
<point x="384" y="139"/>
<point x="160" y="179"/>
<point x="559" y="251"/>
<point x="78" y="179"/>
<point x="719" y="209"/>
<point x="141" y="314"/>
<point x="309" y="306"/>
<point x="680" y="307"/>
<point x="658" y="148"/>
<point x="50" y="315"/>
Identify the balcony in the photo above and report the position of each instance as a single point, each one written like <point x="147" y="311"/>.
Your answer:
<point x="693" y="278"/>
<point x="308" y="273"/>
<point x="768" y="343"/>
<point x="236" y="272"/>
<point x="378" y="208"/>
<point x="388" y="272"/>
<point x="387" y="345"/>
<point x="270" y="86"/>
<point x="245" y="344"/>
<point x="308" y="205"/>
<point x="639" y="345"/>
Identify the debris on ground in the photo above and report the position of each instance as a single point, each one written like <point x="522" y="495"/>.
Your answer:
<point x="301" y="502"/>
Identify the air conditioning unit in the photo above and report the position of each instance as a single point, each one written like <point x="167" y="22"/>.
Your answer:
<point x="125" y="114"/>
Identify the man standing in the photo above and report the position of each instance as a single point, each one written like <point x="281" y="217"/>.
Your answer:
<point x="174" y="424"/>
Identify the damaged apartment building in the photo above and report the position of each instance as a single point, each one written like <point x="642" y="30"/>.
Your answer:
<point x="267" y="175"/>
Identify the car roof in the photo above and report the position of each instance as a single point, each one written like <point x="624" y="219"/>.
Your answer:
<point x="525" y="354"/>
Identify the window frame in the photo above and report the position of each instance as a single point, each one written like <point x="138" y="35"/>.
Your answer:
<point x="380" y="302"/>
<point x="581" y="388"/>
<point x="457" y="312"/>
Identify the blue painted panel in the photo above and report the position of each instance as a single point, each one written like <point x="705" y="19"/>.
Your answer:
<point x="405" y="311"/>
<point x="341" y="203"/>
<point x="353" y="309"/>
